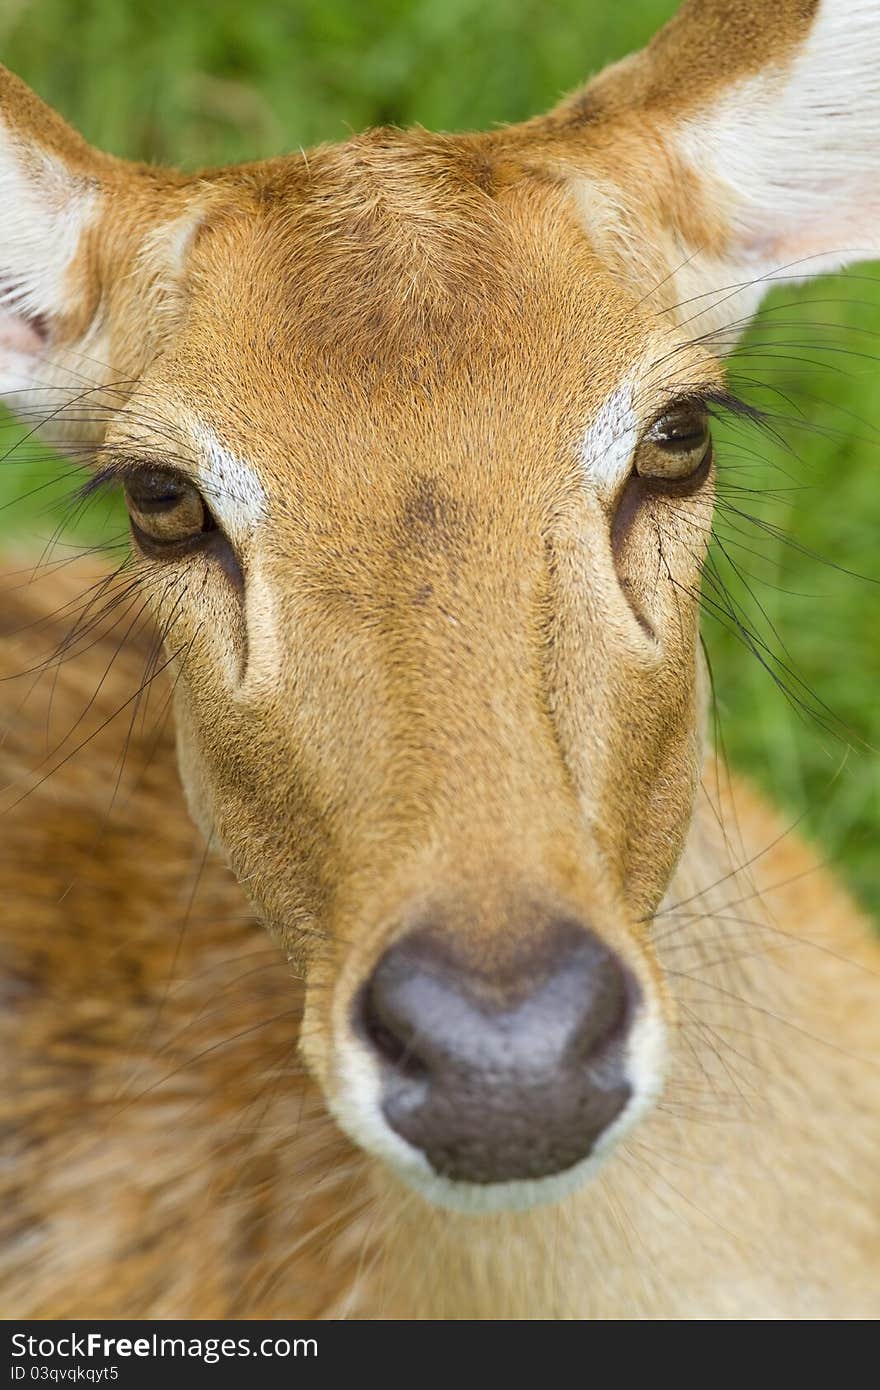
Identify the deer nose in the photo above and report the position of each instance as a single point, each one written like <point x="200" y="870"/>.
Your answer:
<point x="501" y="1072"/>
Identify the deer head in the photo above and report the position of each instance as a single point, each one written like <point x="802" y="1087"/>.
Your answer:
<point x="414" y="436"/>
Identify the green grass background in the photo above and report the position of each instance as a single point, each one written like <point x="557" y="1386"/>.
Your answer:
<point x="198" y="83"/>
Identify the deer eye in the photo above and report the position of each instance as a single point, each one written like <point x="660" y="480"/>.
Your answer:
<point x="165" y="510"/>
<point x="677" y="447"/>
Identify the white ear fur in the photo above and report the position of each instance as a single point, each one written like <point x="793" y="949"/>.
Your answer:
<point x="44" y="210"/>
<point x="790" y="160"/>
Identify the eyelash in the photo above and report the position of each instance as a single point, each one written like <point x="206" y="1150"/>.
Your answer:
<point x="118" y="471"/>
<point x="714" y="399"/>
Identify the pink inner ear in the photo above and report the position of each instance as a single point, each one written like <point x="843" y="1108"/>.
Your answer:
<point x="19" y="336"/>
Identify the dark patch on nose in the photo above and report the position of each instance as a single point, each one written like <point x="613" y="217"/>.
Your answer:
<point x="431" y="520"/>
<point x="426" y="508"/>
<point x="505" y="1072"/>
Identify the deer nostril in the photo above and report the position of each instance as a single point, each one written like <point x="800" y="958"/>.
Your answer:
<point x="392" y="1039"/>
<point x="608" y="1018"/>
<point x="505" y="1073"/>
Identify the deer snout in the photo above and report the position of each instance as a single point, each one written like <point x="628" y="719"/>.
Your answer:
<point x="499" y="1072"/>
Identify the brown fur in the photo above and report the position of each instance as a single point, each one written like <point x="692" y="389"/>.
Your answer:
<point x="174" y="1160"/>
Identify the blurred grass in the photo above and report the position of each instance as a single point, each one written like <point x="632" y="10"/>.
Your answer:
<point x="197" y="85"/>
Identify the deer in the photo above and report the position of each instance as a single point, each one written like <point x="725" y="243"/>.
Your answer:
<point x="382" y="938"/>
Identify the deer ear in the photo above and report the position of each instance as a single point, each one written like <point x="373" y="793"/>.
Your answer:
<point x="91" y="252"/>
<point x="51" y="187"/>
<point x="752" y="132"/>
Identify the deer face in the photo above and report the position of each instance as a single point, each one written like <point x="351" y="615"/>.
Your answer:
<point x="443" y="622"/>
<point x="420" y="482"/>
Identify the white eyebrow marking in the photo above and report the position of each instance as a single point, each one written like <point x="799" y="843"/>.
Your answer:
<point x="606" y="450"/>
<point x="230" y="485"/>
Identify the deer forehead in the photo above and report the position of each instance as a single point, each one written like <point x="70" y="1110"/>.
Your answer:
<point x="392" y="256"/>
<point x="353" y="328"/>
